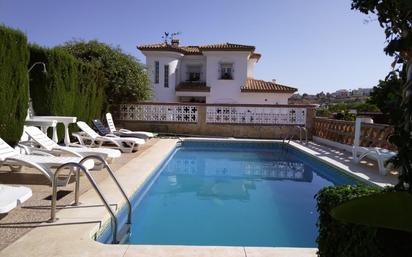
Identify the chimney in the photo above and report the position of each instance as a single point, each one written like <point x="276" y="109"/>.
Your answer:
<point x="274" y="81"/>
<point x="175" y="42"/>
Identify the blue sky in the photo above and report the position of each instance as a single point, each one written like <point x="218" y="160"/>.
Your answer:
<point x="314" y="45"/>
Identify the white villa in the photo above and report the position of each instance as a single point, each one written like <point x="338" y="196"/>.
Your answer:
<point x="220" y="73"/>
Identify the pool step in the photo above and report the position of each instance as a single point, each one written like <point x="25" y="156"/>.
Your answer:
<point x="123" y="233"/>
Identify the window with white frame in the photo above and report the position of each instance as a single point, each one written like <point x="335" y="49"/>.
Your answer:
<point x="156" y="72"/>
<point x="226" y="71"/>
<point x="194" y="72"/>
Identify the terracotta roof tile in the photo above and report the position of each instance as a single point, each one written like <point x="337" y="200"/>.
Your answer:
<point x="227" y="46"/>
<point x="191" y="49"/>
<point x="196" y="50"/>
<point x="260" y="86"/>
<point x="255" y="56"/>
<point x="161" y="47"/>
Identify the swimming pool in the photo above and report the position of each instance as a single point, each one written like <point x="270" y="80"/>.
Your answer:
<point x="232" y="194"/>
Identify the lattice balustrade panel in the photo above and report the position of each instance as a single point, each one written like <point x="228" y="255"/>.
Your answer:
<point x="374" y="135"/>
<point x="165" y="113"/>
<point x="255" y="115"/>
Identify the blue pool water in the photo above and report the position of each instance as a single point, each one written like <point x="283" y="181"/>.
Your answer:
<point x="233" y="194"/>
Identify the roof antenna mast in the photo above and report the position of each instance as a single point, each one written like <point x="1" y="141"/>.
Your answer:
<point x="169" y="37"/>
<point x="174" y="34"/>
<point x="165" y="37"/>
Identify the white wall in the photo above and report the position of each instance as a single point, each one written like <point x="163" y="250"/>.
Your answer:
<point x="160" y="93"/>
<point x="225" y="90"/>
<point x="264" y="98"/>
<point x="222" y="91"/>
<point x="192" y="60"/>
<point x="250" y="67"/>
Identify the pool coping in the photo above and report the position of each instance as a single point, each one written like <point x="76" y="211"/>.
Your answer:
<point x="73" y="233"/>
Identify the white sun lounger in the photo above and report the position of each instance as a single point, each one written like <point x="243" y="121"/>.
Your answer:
<point x="381" y="155"/>
<point x="112" y="128"/>
<point x="11" y="157"/>
<point x="124" y="144"/>
<point x="12" y="196"/>
<point x="48" y="145"/>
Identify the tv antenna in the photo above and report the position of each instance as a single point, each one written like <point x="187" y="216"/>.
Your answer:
<point x="167" y="36"/>
<point x="174" y="34"/>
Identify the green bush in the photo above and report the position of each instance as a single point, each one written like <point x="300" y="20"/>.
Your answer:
<point x="126" y="79"/>
<point x="69" y="88"/>
<point x="14" y="82"/>
<point x="341" y="240"/>
<point x="323" y="112"/>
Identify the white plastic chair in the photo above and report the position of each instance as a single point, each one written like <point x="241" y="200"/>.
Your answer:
<point x="11" y="157"/>
<point x="48" y="145"/>
<point x="113" y="129"/>
<point x="381" y="155"/>
<point x="13" y="196"/>
<point x="124" y="144"/>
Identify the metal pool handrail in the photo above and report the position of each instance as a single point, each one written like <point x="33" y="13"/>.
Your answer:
<point x="110" y="171"/>
<point x="77" y="168"/>
<point x="300" y="133"/>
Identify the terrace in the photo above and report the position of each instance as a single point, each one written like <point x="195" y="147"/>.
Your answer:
<point x="27" y="227"/>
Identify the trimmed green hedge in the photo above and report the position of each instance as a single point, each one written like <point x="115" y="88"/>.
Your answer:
<point x="14" y="82"/>
<point x="342" y="240"/>
<point x="69" y="88"/>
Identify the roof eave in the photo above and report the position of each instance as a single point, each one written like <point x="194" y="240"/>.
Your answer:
<point x="267" y="91"/>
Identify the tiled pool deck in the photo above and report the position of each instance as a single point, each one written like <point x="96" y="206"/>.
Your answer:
<point x="72" y="234"/>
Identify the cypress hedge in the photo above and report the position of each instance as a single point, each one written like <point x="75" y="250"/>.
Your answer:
<point x="14" y="81"/>
<point x="69" y="88"/>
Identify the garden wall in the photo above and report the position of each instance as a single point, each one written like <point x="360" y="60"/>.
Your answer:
<point x="343" y="132"/>
<point x="218" y="120"/>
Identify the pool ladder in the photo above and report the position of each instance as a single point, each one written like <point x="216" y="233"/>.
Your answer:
<point x="77" y="168"/>
<point x="290" y="137"/>
<point x="303" y="128"/>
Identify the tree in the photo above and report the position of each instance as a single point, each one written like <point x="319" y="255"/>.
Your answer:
<point x="391" y="210"/>
<point x="395" y="16"/>
<point x="126" y="79"/>
<point x="387" y="95"/>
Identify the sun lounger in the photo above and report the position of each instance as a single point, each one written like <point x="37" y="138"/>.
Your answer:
<point x="381" y="155"/>
<point x="103" y="131"/>
<point x="124" y="144"/>
<point x="48" y="145"/>
<point x="12" y="196"/>
<point x="126" y="132"/>
<point x="11" y="157"/>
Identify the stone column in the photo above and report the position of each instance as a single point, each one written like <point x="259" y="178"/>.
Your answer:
<point x="310" y="120"/>
<point x="201" y="120"/>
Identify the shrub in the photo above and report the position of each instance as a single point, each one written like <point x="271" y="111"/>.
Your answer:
<point x="387" y="95"/>
<point x="338" y="239"/>
<point x="14" y="83"/>
<point x="345" y="115"/>
<point x="69" y="88"/>
<point x="323" y="112"/>
<point x="125" y="77"/>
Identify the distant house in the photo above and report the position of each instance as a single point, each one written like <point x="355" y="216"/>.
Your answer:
<point x="362" y="92"/>
<point x="219" y="73"/>
<point x="342" y="93"/>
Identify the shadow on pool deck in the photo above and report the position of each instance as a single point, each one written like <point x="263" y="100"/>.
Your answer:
<point x="36" y="211"/>
<point x="368" y="168"/>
